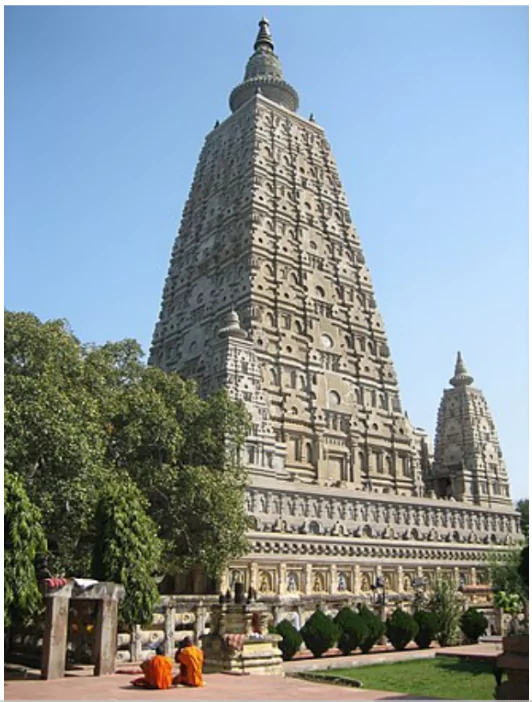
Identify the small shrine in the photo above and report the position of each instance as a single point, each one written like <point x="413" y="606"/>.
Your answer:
<point x="239" y="641"/>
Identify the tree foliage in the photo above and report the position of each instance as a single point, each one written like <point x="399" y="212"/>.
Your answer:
<point x="127" y="549"/>
<point x="447" y="608"/>
<point x="522" y="507"/>
<point x="23" y="540"/>
<point x="78" y="418"/>
<point x="505" y="574"/>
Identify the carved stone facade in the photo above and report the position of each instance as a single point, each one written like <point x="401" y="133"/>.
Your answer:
<point x="468" y="463"/>
<point x="268" y="294"/>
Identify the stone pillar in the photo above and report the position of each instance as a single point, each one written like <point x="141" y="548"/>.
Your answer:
<point x="333" y="571"/>
<point x="105" y="637"/>
<point x="282" y="578"/>
<point x="308" y="579"/>
<point x="201" y="614"/>
<point x="254" y="576"/>
<point x="224" y="581"/>
<point x="473" y="572"/>
<point x="400" y="583"/>
<point x="169" y="630"/>
<point x="55" y="636"/>
<point x="136" y="642"/>
<point x="356" y="580"/>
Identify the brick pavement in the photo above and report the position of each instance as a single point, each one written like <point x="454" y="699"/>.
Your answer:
<point x="84" y="686"/>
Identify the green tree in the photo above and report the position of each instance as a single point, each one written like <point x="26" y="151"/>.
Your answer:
<point x="504" y="573"/>
<point x="522" y="508"/>
<point x="127" y="549"/>
<point x="78" y="417"/>
<point x="53" y="438"/>
<point x="447" y="607"/>
<point x="23" y="540"/>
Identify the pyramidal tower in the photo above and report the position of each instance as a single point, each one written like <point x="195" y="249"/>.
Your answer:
<point x="268" y="295"/>
<point x="468" y="462"/>
<point x="267" y="244"/>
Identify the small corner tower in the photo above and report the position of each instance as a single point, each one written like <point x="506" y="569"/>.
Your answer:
<point x="468" y="462"/>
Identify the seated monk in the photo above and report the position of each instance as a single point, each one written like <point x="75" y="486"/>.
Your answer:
<point x="157" y="672"/>
<point x="190" y="659"/>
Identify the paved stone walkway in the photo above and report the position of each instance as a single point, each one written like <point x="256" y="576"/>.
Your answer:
<point x="84" y="686"/>
<point x="219" y="687"/>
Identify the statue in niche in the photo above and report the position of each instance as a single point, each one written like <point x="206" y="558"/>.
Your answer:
<point x="365" y="584"/>
<point x="342" y="585"/>
<point x="407" y="583"/>
<point x="265" y="584"/>
<point x="318" y="585"/>
<point x="237" y="576"/>
<point x="292" y="582"/>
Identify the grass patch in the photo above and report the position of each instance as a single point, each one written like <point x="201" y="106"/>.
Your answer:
<point x="446" y="678"/>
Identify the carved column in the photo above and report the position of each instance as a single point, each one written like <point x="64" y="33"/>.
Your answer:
<point x="282" y="578"/>
<point x="473" y="576"/>
<point x="400" y="584"/>
<point x="308" y="579"/>
<point x="356" y="580"/>
<point x="334" y="579"/>
<point x="254" y="575"/>
<point x="224" y="581"/>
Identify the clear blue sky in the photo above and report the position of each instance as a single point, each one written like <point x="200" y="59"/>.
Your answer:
<point x="426" y="110"/>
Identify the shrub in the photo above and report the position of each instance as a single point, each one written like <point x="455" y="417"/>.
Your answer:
<point x="291" y="641"/>
<point x="473" y="624"/>
<point x="448" y="609"/>
<point x="375" y="628"/>
<point x="428" y="628"/>
<point x="401" y="628"/>
<point x="319" y="633"/>
<point x="352" y="630"/>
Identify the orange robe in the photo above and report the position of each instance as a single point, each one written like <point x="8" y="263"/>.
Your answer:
<point x="190" y="661"/>
<point x="157" y="673"/>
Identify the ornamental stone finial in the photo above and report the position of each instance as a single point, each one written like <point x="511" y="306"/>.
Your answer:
<point x="264" y="37"/>
<point x="264" y="71"/>
<point x="461" y="377"/>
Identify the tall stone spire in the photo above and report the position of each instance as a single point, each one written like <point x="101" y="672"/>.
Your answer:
<point x="461" y="377"/>
<point x="264" y="74"/>
<point x="468" y="463"/>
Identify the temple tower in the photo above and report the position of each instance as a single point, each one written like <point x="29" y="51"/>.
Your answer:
<point x="266" y="232"/>
<point x="268" y="295"/>
<point x="468" y="463"/>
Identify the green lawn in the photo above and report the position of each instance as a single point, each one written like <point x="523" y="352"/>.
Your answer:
<point x="447" y="678"/>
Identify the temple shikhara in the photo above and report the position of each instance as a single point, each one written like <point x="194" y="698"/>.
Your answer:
<point x="268" y="294"/>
